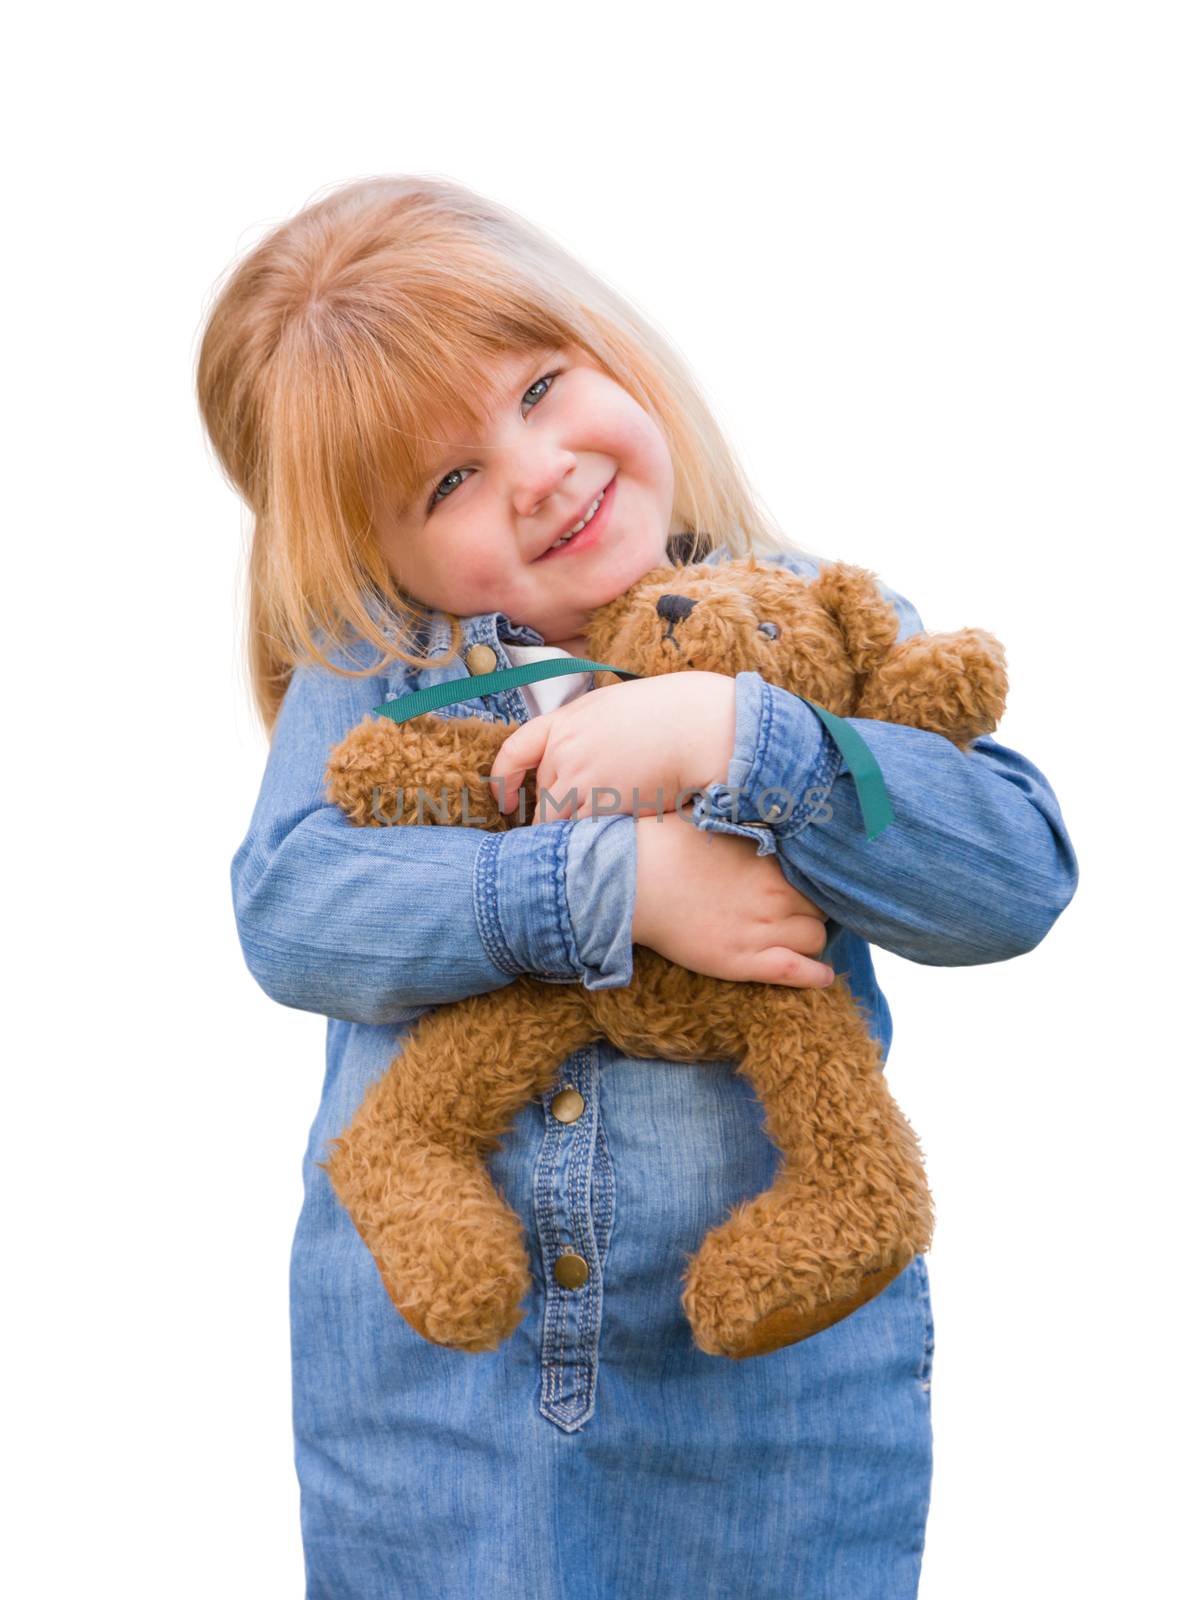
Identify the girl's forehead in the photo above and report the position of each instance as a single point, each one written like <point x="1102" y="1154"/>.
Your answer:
<point x="483" y="390"/>
<point x="499" y="372"/>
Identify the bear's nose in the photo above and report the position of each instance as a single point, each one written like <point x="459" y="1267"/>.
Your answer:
<point x="673" y="608"/>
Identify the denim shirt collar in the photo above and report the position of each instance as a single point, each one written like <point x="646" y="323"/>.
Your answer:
<point x="486" y="627"/>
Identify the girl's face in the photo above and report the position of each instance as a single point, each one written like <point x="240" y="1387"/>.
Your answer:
<point x="477" y="536"/>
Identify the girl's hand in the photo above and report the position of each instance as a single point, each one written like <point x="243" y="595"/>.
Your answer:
<point x="710" y="903"/>
<point x="638" y="738"/>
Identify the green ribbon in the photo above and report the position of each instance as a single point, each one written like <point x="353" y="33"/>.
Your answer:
<point x="448" y="694"/>
<point x="876" y="810"/>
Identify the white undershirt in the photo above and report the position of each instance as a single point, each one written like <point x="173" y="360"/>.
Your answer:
<point x="547" y="694"/>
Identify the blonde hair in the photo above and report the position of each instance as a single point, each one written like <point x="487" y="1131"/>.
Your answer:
<point x="330" y="350"/>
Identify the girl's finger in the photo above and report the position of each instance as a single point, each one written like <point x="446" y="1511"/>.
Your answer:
<point x="807" y="935"/>
<point x="519" y="752"/>
<point x="782" y="965"/>
<point x="546" y="782"/>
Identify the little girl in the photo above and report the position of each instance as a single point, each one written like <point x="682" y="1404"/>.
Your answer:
<point x="421" y="399"/>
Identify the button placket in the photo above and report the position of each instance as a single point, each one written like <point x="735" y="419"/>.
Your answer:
<point x="488" y="655"/>
<point x="572" y="1183"/>
<point x="572" y="1196"/>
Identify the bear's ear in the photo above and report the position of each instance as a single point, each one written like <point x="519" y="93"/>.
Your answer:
<point x="953" y="684"/>
<point x="869" y="624"/>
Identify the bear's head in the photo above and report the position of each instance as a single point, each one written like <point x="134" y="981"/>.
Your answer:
<point x="831" y="638"/>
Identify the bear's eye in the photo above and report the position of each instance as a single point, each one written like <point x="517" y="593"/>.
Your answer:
<point x="770" y="629"/>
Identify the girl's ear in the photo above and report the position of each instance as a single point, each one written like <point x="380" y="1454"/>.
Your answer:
<point x="868" y="623"/>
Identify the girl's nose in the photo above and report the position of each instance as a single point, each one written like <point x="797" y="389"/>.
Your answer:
<point x="540" y="475"/>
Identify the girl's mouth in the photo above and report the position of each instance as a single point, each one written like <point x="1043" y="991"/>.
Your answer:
<point x="590" y="535"/>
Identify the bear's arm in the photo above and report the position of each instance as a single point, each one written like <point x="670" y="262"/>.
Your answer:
<point x="977" y="864"/>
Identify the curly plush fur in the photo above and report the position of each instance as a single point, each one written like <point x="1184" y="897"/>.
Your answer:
<point x="849" y="1207"/>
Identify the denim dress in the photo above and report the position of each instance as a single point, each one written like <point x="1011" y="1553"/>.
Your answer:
<point x="598" y="1454"/>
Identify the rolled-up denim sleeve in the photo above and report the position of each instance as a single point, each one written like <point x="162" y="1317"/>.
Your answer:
<point x="783" y="762"/>
<point x="370" y="924"/>
<point x="783" y="758"/>
<point x="976" y="866"/>
<point x="601" y="891"/>
<point x="556" y="900"/>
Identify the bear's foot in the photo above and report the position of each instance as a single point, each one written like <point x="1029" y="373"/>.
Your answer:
<point x="781" y="1268"/>
<point x="450" y="1250"/>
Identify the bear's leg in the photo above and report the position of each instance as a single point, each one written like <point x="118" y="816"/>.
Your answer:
<point x="410" y="1168"/>
<point x="849" y="1208"/>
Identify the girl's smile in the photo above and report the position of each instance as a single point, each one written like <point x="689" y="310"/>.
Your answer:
<point x="485" y="532"/>
<point x="593" y="523"/>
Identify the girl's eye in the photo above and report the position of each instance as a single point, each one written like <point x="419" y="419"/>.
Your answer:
<point x="548" y="378"/>
<point x="436" y="498"/>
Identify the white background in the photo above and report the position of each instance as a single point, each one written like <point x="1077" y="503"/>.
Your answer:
<point x="934" y="266"/>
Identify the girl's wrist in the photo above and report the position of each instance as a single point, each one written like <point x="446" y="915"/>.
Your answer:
<point x="715" y="744"/>
<point x="650" y="836"/>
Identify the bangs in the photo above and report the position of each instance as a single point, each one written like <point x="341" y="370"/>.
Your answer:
<point x="404" y="376"/>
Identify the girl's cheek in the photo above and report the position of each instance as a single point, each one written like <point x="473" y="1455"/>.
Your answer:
<point x="637" y="439"/>
<point x="657" y="468"/>
<point x="485" y="572"/>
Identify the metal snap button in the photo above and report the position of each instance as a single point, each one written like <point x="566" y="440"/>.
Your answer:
<point x="567" y="1106"/>
<point x="571" y="1271"/>
<point x="480" y="658"/>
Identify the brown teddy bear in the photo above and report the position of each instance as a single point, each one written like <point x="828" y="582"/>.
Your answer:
<point x="849" y="1207"/>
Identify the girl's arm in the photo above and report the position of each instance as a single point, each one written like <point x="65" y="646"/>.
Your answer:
<point x="372" y="924"/>
<point x="976" y="866"/>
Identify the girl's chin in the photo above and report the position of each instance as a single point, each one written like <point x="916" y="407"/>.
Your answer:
<point x="627" y="565"/>
<point x="600" y="581"/>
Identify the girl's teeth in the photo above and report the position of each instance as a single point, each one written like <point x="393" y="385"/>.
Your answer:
<point x="579" y="526"/>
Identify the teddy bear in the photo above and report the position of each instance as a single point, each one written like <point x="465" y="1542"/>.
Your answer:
<point x="849" y="1207"/>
